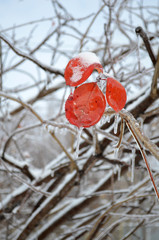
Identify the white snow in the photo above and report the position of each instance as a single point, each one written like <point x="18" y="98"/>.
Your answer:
<point x="77" y="74"/>
<point x="14" y="161"/>
<point x="15" y="193"/>
<point x="87" y="59"/>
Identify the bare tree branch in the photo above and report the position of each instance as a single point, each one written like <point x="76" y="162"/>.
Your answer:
<point x="32" y="59"/>
<point x="140" y="31"/>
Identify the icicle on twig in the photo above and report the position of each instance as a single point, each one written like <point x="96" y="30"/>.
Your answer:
<point x="103" y="120"/>
<point x="121" y="133"/>
<point x="133" y="164"/>
<point x="116" y="118"/>
<point x="94" y="140"/>
<point x="119" y="172"/>
<point x="72" y="90"/>
<point x="138" y="53"/>
<point x="62" y="131"/>
<point x="101" y="84"/>
<point x="108" y="118"/>
<point x="116" y="152"/>
<point x="79" y="133"/>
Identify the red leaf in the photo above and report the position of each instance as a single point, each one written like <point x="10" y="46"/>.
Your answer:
<point x="81" y="67"/>
<point x="115" y="94"/>
<point x="85" y="107"/>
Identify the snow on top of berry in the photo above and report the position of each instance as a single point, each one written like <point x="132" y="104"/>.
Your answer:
<point x="86" y="59"/>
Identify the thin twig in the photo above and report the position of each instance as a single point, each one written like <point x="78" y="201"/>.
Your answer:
<point x="154" y="79"/>
<point x="32" y="59"/>
<point x="42" y="93"/>
<point x="21" y="180"/>
<point x="115" y="206"/>
<point x="143" y="35"/>
<point x="48" y="204"/>
<point x="25" y="105"/>
<point x="138" y="225"/>
<point x="26" y="24"/>
<point x="90" y="25"/>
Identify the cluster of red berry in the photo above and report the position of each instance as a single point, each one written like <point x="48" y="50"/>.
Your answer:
<point x="86" y="105"/>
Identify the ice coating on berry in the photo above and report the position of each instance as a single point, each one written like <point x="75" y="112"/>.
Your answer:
<point x="81" y="67"/>
<point x="115" y="94"/>
<point x="85" y="107"/>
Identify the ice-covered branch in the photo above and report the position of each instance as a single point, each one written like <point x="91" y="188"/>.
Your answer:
<point x="146" y="142"/>
<point x="30" y="58"/>
<point x="143" y="35"/>
<point x="29" y="107"/>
